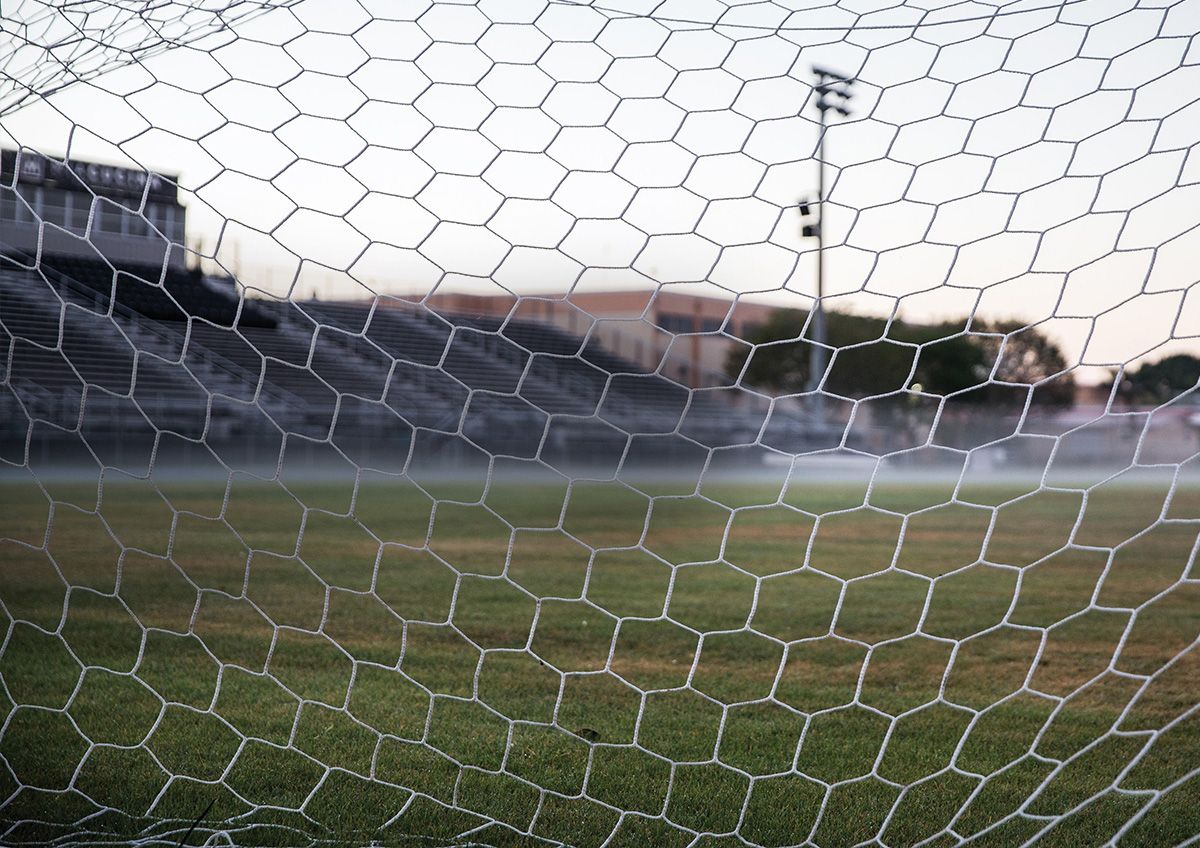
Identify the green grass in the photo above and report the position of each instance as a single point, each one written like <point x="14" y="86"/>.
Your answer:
<point x="629" y="670"/>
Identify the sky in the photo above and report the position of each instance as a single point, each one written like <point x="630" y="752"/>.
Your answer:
<point x="1034" y="160"/>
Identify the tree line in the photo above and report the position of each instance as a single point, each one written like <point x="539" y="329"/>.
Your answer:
<point x="875" y="356"/>
<point x="992" y="363"/>
<point x="1161" y="381"/>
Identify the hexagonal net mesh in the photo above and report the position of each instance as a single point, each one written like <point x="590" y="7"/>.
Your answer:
<point x="581" y="423"/>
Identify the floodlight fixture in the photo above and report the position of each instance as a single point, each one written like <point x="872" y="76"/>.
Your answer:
<point x="832" y="75"/>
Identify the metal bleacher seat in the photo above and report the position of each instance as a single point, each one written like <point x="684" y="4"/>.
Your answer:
<point x="58" y="348"/>
<point x="170" y="343"/>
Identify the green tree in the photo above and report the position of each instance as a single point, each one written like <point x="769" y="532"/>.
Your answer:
<point x="865" y="364"/>
<point x="950" y="360"/>
<point x="1159" y="382"/>
<point x="947" y="360"/>
<point x="1030" y="357"/>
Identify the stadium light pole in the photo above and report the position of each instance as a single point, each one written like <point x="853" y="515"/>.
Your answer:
<point x="833" y="93"/>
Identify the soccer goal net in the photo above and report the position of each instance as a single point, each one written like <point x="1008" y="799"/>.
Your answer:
<point x="599" y="422"/>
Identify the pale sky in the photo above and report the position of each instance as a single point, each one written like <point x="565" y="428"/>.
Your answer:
<point x="1032" y="160"/>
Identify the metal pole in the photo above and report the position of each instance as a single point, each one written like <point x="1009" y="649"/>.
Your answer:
<point x="816" y="353"/>
<point x="832" y="91"/>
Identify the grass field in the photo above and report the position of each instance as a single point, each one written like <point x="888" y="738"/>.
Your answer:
<point x="661" y="676"/>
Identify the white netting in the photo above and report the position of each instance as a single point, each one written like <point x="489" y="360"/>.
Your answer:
<point x="416" y="425"/>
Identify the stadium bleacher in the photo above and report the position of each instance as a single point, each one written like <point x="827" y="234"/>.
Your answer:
<point x="160" y="293"/>
<point x="104" y="330"/>
<point x="171" y="342"/>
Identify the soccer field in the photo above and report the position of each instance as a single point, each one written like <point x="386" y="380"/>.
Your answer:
<point x="626" y="669"/>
